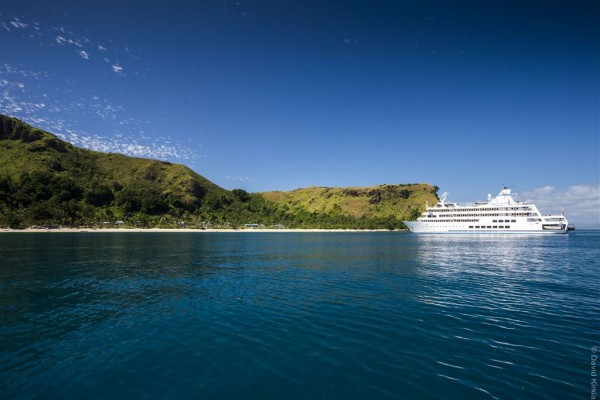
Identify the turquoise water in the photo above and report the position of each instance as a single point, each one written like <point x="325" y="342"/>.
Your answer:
<point x="297" y="316"/>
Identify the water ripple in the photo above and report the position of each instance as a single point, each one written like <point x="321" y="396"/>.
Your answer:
<point x="337" y="316"/>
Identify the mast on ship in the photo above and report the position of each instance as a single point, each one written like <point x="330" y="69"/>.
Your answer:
<point x="444" y="197"/>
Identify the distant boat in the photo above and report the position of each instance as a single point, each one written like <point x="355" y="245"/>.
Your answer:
<point x="501" y="214"/>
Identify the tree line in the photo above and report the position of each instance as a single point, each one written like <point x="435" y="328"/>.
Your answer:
<point x="47" y="198"/>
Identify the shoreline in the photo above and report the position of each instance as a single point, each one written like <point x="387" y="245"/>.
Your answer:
<point x="186" y="230"/>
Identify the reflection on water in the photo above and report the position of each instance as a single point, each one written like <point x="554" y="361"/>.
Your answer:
<point x="511" y="253"/>
<point x="383" y="315"/>
<point x="511" y="297"/>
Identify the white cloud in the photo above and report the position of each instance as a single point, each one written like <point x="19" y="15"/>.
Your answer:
<point x="237" y="178"/>
<point x="12" y="70"/>
<point x="130" y="146"/>
<point x="542" y="190"/>
<point x="581" y="203"/>
<point x="18" y="24"/>
<point x="59" y="36"/>
<point x="117" y="69"/>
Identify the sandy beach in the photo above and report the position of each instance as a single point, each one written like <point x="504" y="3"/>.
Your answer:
<point x="182" y="230"/>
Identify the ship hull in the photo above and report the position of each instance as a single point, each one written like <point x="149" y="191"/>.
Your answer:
<point x="418" y="227"/>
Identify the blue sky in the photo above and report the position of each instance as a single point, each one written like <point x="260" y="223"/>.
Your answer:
<point x="276" y="95"/>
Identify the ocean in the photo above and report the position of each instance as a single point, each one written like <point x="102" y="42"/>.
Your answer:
<point x="298" y="316"/>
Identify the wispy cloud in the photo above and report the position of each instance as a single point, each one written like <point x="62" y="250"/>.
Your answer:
<point x="87" y="48"/>
<point x="60" y="112"/>
<point x="12" y="70"/>
<point x="16" y="23"/>
<point x="132" y="145"/>
<point x="234" y="8"/>
<point x="87" y="119"/>
<point x="63" y="40"/>
<point x="237" y="178"/>
<point x="117" y="69"/>
<point x="581" y="203"/>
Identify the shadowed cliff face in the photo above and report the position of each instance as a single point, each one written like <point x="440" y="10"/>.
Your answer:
<point x="13" y="129"/>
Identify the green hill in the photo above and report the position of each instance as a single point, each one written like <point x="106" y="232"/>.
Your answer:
<point x="384" y="203"/>
<point x="45" y="180"/>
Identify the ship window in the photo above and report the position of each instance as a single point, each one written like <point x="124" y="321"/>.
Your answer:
<point x="495" y="227"/>
<point x="489" y="227"/>
<point x="471" y="227"/>
<point x="507" y="227"/>
<point x="513" y="220"/>
<point x="495" y="220"/>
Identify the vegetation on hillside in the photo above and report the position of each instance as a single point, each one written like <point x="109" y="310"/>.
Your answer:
<point x="388" y="202"/>
<point x="46" y="181"/>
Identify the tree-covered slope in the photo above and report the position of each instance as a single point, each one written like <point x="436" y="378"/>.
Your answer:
<point x="44" y="179"/>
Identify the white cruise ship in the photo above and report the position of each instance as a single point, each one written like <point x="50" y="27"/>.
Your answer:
<point x="501" y="214"/>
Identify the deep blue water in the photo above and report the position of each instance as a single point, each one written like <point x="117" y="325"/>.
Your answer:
<point x="297" y="316"/>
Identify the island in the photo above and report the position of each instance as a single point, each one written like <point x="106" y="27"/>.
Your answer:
<point x="46" y="183"/>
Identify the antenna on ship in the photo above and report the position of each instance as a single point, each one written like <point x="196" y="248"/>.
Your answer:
<point x="444" y="197"/>
<point x="508" y="187"/>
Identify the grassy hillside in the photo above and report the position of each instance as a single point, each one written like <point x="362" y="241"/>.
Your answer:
<point x="44" y="180"/>
<point x="27" y="149"/>
<point x="399" y="202"/>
